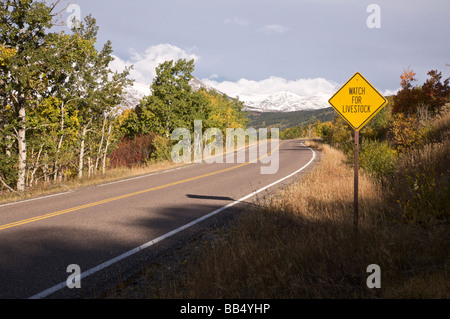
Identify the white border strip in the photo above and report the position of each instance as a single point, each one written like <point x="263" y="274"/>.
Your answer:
<point x="136" y="250"/>
<point x="118" y="181"/>
<point x="144" y="176"/>
<point x="34" y="199"/>
<point x="99" y="185"/>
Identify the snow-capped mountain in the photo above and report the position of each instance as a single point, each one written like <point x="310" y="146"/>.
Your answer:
<point x="276" y="102"/>
<point x="196" y="85"/>
<point x="285" y="102"/>
<point x="134" y="94"/>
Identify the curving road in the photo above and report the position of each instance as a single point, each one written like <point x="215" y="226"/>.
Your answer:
<point x="109" y="229"/>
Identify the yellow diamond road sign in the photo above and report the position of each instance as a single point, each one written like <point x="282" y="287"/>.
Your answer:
<point x="358" y="102"/>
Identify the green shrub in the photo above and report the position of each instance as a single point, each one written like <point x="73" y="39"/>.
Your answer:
<point x="377" y="158"/>
<point x="8" y="170"/>
<point x="161" y="149"/>
<point x="292" y="133"/>
<point x="420" y="184"/>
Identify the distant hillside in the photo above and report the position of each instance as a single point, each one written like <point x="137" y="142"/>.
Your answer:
<point x="284" y="101"/>
<point x="289" y="119"/>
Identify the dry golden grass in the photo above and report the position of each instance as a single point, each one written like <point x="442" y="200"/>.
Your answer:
<point x="302" y="244"/>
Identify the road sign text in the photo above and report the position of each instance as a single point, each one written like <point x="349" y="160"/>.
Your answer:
<point x="356" y="109"/>
<point x="357" y="102"/>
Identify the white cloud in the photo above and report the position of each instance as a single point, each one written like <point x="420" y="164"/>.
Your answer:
<point x="275" y="29"/>
<point x="390" y="92"/>
<point x="145" y="63"/>
<point x="237" y="21"/>
<point x="302" y="87"/>
<point x="145" y="70"/>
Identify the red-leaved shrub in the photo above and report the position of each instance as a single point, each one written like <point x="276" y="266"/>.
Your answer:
<point x="133" y="152"/>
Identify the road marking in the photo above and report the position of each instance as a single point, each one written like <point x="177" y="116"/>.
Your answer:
<point x="37" y="198"/>
<point x="249" y="147"/>
<point x="233" y="153"/>
<point x="144" y="176"/>
<point x="113" y="199"/>
<point x="136" y="250"/>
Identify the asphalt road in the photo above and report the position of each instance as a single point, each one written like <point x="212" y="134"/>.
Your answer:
<point x="114" y="227"/>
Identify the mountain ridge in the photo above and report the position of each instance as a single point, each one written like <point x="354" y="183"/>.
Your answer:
<point x="282" y="101"/>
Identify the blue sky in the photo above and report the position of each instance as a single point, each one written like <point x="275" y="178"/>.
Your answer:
<point x="258" y="46"/>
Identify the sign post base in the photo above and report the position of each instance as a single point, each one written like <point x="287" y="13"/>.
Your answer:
<point x="356" y="184"/>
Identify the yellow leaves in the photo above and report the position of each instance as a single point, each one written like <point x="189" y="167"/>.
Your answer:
<point x="224" y="113"/>
<point x="6" y="54"/>
<point x="74" y="119"/>
<point x="124" y="116"/>
<point x="408" y="132"/>
<point x="214" y="101"/>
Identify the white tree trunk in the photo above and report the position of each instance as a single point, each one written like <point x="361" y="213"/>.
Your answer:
<point x="105" y="152"/>
<point x="99" y="152"/>
<point x="89" y="167"/>
<point x="9" y="145"/>
<point x="58" y="150"/>
<point x="21" y="138"/>
<point x="81" y="158"/>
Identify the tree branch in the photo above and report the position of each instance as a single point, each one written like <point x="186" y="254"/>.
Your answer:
<point x="6" y="185"/>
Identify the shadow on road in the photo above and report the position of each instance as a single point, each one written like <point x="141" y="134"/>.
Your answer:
<point x="38" y="259"/>
<point x="224" y="198"/>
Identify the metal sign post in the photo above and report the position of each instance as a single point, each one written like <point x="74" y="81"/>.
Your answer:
<point x="356" y="195"/>
<point x="357" y="102"/>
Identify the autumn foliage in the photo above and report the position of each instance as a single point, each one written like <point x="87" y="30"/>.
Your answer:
<point x="405" y="147"/>
<point x="431" y="96"/>
<point x="132" y="152"/>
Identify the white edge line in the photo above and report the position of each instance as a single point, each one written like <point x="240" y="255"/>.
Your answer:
<point x="115" y="182"/>
<point x="136" y="250"/>
<point x="37" y="198"/>
<point x="100" y="185"/>
<point x="146" y="175"/>
<point x="174" y="169"/>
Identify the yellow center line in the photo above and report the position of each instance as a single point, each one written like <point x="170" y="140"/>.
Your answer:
<point x="113" y="199"/>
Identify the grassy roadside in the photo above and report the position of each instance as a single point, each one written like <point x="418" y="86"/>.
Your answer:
<point x="301" y="244"/>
